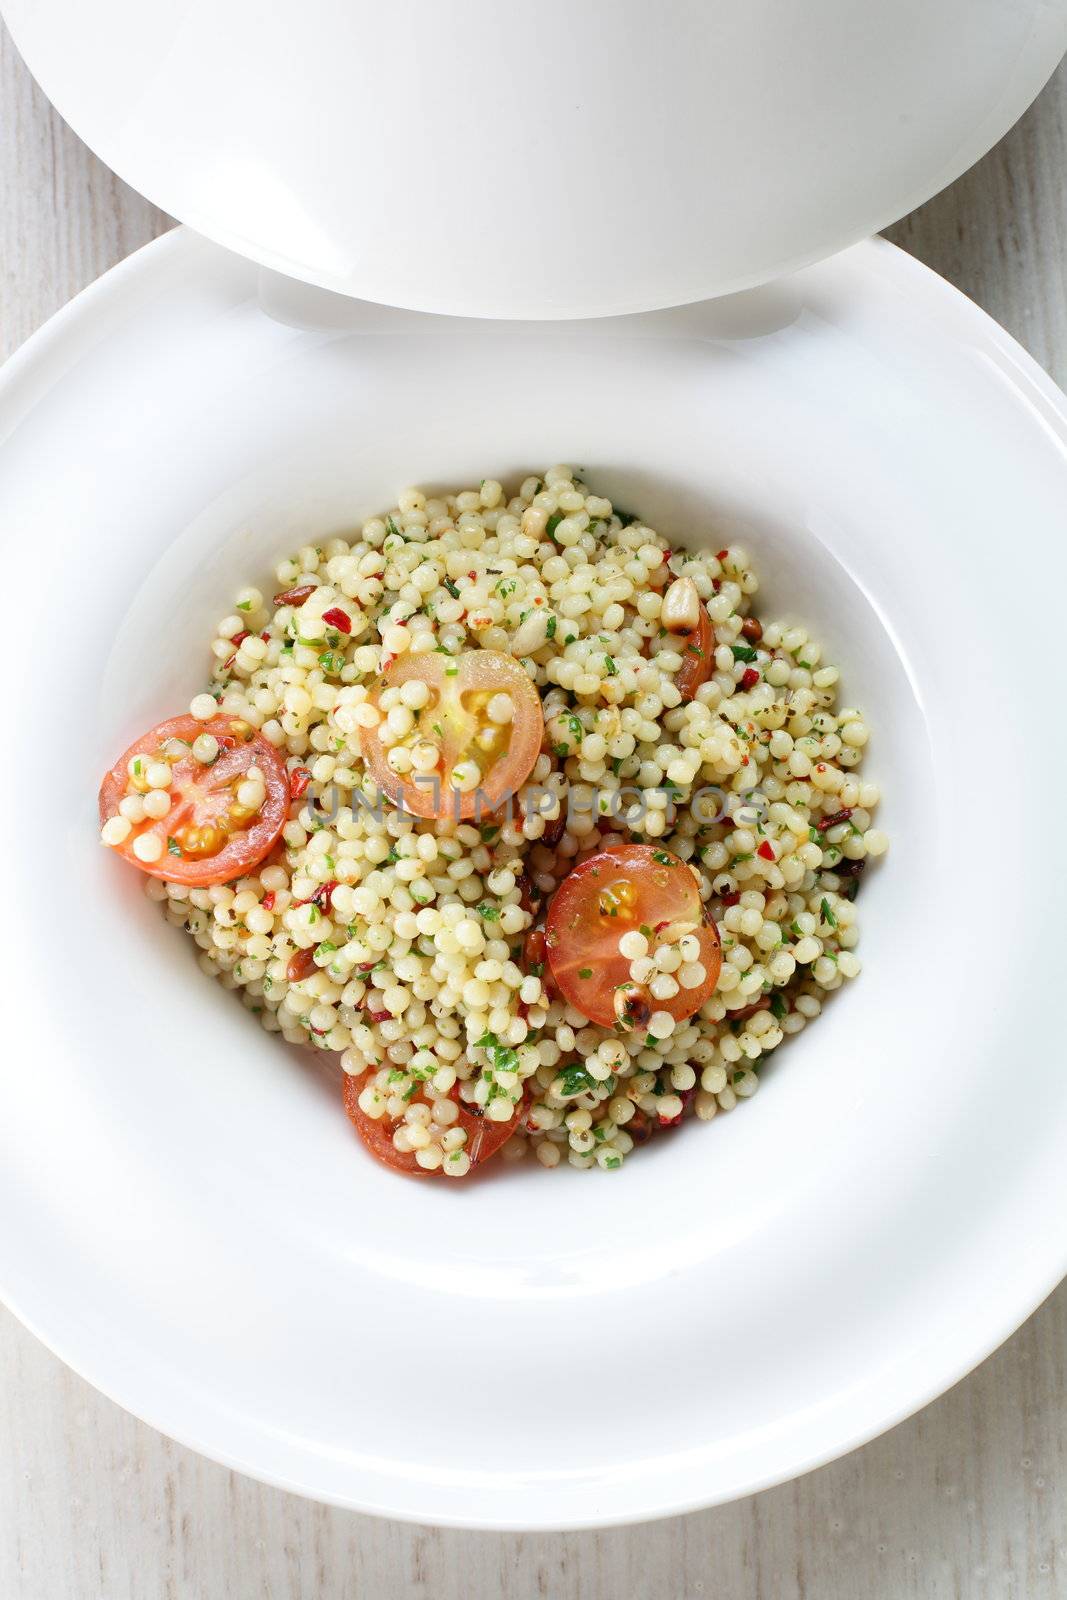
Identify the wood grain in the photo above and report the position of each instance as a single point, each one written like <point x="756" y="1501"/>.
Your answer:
<point x="969" y="1499"/>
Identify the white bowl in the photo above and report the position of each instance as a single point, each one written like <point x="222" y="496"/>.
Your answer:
<point x="563" y="159"/>
<point x="191" y="1221"/>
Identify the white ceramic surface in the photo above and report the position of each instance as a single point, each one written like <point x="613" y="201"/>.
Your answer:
<point x="189" y="1220"/>
<point x="554" y="160"/>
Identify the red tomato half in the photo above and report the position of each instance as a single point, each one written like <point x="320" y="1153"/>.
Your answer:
<point x="698" y="657"/>
<point x="635" y="887"/>
<point x="484" y="1138"/>
<point x="498" y="757"/>
<point x="206" y="836"/>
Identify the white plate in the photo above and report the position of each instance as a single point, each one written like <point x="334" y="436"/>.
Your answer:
<point x="190" y="1221"/>
<point x="562" y="159"/>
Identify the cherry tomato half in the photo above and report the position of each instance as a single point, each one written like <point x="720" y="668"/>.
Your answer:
<point x="207" y="835"/>
<point x="698" y="657"/>
<point x="457" y="760"/>
<point x="638" y="887"/>
<point x="484" y="1137"/>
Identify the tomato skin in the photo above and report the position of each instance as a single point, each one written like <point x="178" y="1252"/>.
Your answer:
<point x="698" y="658"/>
<point x="476" y="672"/>
<point x="244" y="848"/>
<point x="484" y="1138"/>
<point x="645" y="887"/>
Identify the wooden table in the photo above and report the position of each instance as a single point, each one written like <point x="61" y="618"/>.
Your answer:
<point x="968" y="1499"/>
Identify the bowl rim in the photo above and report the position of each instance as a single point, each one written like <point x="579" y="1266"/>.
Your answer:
<point x="29" y="374"/>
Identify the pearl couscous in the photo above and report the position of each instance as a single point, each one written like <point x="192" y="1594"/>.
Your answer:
<point x="625" y="708"/>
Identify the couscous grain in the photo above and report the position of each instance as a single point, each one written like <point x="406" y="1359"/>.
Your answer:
<point x="648" y="718"/>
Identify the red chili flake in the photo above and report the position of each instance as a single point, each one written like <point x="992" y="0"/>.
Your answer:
<point x="267" y="901"/>
<point x="766" y="849"/>
<point x="338" y="619"/>
<point x="299" y="780"/>
<point x="834" y="819"/>
<point x="237" y="641"/>
<point x="731" y="899"/>
<point x="529" y="893"/>
<point x="323" y="896"/>
<point x="473" y="576"/>
<point x="379" y="1016"/>
<point x="749" y="678"/>
<point x="665" y="557"/>
<point x="720" y="555"/>
<point x="685" y="1096"/>
<point x="265" y="636"/>
<point x="301" y="965"/>
<point x="295" y="597"/>
<point x="554" y="831"/>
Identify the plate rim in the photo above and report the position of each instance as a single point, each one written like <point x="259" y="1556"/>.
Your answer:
<point x="31" y="371"/>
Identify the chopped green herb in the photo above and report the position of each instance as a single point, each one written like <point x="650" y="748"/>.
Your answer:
<point x="663" y="858"/>
<point x="612" y="668"/>
<point x="779" y="1007"/>
<point x="452" y="587"/>
<point x="827" y="915"/>
<point x="550" y="628"/>
<point x="585" y="972"/>
<point x="173" y="847"/>
<point x="576" y="1079"/>
<point x="501" y="1056"/>
<point x="490" y="913"/>
<point x="743" y="652"/>
<point x="553" y="523"/>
